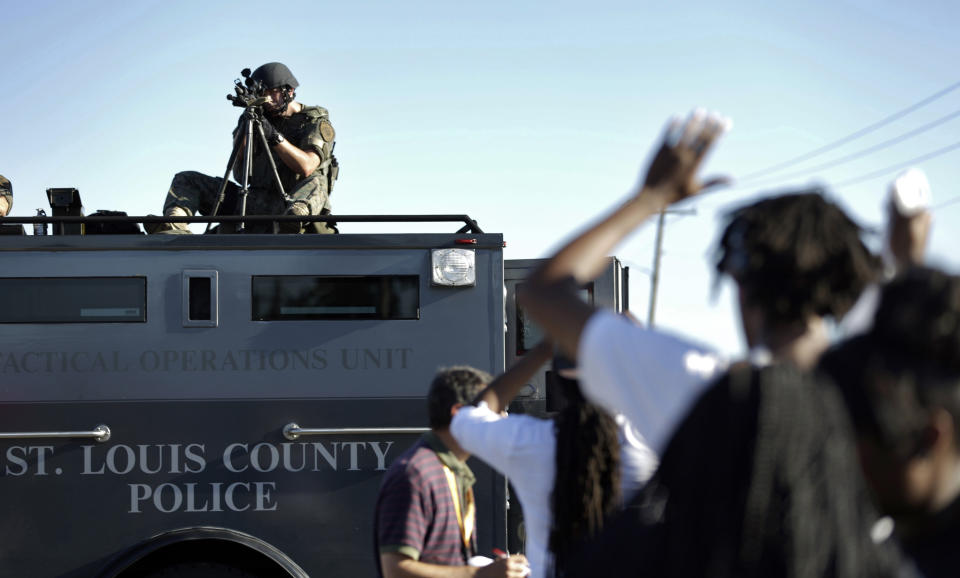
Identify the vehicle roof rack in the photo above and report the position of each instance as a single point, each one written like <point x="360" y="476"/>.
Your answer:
<point x="63" y="222"/>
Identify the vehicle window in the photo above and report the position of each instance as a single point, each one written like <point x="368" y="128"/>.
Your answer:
<point x="529" y="334"/>
<point x="280" y="298"/>
<point x="73" y="300"/>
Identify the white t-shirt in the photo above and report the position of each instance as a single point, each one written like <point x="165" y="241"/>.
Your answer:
<point x="523" y="448"/>
<point x="649" y="376"/>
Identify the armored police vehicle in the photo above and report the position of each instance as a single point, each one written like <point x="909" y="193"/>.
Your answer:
<point x="225" y="405"/>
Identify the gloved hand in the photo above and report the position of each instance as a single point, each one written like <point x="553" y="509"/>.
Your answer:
<point x="270" y="132"/>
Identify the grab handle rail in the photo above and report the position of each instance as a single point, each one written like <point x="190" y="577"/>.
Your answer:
<point x="292" y="431"/>
<point x="100" y="433"/>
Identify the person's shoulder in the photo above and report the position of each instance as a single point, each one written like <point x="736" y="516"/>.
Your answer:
<point x="743" y="389"/>
<point x="318" y="118"/>
<point x="478" y="417"/>
<point x="472" y="414"/>
<point x="606" y="330"/>
<point x="315" y="112"/>
<point x="416" y="462"/>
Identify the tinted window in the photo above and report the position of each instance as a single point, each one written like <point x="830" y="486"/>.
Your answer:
<point x="278" y="298"/>
<point x="529" y="334"/>
<point x="74" y="300"/>
<point x="199" y="293"/>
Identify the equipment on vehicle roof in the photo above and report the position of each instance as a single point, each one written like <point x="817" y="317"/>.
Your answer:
<point x="250" y="94"/>
<point x="251" y="91"/>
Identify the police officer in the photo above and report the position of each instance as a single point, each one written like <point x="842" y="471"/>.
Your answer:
<point x="6" y="196"/>
<point x="301" y="139"/>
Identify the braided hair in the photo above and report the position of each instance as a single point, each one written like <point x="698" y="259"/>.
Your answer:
<point x="760" y="479"/>
<point x="796" y="255"/>
<point x="587" y="483"/>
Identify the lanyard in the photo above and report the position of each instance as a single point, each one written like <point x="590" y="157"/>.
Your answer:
<point x="467" y="521"/>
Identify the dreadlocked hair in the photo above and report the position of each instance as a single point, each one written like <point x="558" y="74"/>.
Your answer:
<point x="796" y="255"/>
<point x="586" y="488"/>
<point x="760" y="479"/>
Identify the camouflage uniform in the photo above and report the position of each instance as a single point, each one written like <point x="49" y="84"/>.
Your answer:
<point x="197" y="193"/>
<point x="6" y="191"/>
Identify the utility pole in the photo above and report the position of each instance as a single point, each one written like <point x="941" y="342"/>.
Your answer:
<point x="657" y="251"/>
<point x="655" y="275"/>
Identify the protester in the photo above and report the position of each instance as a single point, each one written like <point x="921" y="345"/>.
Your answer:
<point x="901" y="383"/>
<point x="759" y="480"/>
<point x="425" y="522"/>
<point x="908" y="231"/>
<point x="798" y="261"/>
<point x="797" y="242"/>
<point x="569" y="473"/>
<point x="727" y="489"/>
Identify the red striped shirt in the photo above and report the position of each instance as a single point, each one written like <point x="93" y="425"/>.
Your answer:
<point x="416" y="512"/>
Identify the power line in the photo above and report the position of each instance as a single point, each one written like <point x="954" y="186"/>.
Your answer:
<point x="862" y="152"/>
<point x="854" y="135"/>
<point x="946" y="203"/>
<point x="899" y="166"/>
<point x="860" y="178"/>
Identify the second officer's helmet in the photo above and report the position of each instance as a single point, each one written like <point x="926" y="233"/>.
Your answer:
<point x="275" y="75"/>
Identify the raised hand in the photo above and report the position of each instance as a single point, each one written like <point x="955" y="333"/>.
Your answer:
<point x="908" y="236"/>
<point x="672" y="174"/>
<point x="908" y="218"/>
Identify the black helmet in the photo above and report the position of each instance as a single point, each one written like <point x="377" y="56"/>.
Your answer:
<point x="275" y="75"/>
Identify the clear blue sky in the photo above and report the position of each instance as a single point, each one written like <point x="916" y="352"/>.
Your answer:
<point x="533" y="118"/>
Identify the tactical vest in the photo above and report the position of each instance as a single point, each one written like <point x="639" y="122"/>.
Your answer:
<point x="328" y="165"/>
